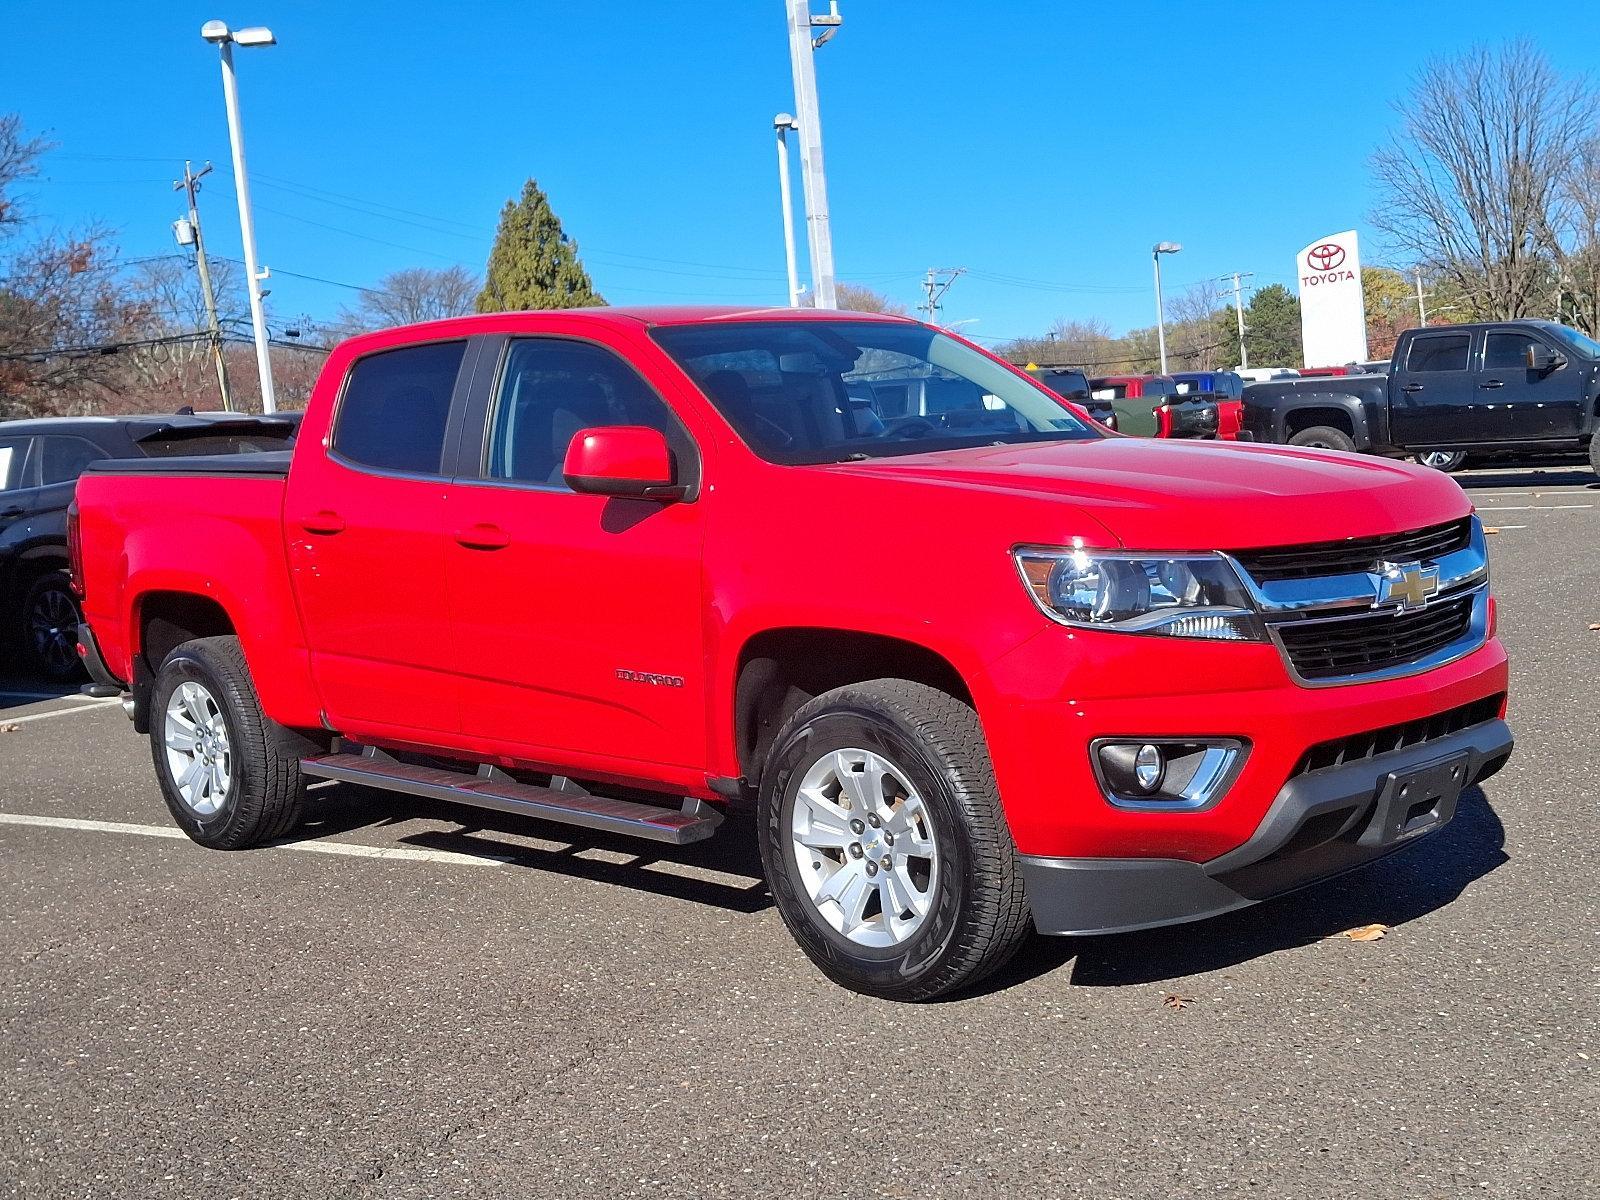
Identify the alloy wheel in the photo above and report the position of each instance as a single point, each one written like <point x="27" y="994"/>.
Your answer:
<point x="53" y="631"/>
<point x="199" y="757"/>
<point x="865" y="848"/>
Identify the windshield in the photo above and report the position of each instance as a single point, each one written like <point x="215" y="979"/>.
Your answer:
<point x="827" y="391"/>
<point x="1586" y="346"/>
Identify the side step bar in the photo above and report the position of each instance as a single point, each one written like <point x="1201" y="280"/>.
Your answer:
<point x="564" y="802"/>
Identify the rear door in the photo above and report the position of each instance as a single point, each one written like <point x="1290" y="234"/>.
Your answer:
<point x="1528" y="406"/>
<point x="1433" y="395"/>
<point x="19" y="481"/>
<point x="577" y="621"/>
<point x="365" y="517"/>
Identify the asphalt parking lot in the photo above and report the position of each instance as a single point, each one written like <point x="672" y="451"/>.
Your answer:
<point x="417" y="1000"/>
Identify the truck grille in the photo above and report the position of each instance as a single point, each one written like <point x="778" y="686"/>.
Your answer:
<point x="1355" y="555"/>
<point x="1373" y="641"/>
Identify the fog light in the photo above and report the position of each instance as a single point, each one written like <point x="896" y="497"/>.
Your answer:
<point x="1147" y="767"/>
<point x="1166" y="773"/>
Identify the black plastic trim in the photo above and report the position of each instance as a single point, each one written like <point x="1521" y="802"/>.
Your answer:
<point x="94" y="662"/>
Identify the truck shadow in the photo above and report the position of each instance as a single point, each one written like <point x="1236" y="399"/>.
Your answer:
<point x="1402" y="887"/>
<point x="722" y="872"/>
<point x="1526" y="477"/>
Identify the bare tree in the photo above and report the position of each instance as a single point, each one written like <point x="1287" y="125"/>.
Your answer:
<point x="1473" y="183"/>
<point x="1197" y="329"/>
<point x="853" y="297"/>
<point x="19" y="160"/>
<point x="412" y="295"/>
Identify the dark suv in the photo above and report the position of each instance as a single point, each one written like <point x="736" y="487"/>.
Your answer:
<point x="40" y="461"/>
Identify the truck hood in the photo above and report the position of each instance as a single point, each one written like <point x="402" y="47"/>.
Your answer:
<point x="1195" y="495"/>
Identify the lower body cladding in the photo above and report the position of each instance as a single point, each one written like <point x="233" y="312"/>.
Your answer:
<point x="1322" y="823"/>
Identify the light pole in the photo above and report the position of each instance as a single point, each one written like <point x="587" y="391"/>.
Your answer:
<point x="782" y="123"/>
<point x="224" y="38"/>
<point x="813" y="183"/>
<point x="1156" y="252"/>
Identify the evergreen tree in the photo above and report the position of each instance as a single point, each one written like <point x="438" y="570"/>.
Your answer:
<point x="1272" y="327"/>
<point x="533" y="263"/>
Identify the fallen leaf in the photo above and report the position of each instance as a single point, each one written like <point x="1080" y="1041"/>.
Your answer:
<point x="1592" y="625"/>
<point x="1490" y="529"/>
<point x="1365" y="933"/>
<point x="1174" y="1000"/>
<point x="9" y="728"/>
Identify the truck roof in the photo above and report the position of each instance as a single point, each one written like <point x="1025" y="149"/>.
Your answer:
<point x="646" y="315"/>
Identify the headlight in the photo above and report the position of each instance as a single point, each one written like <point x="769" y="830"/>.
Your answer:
<point x="1182" y="595"/>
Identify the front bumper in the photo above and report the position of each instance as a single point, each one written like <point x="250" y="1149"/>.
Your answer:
<point x="1322" y="823"/>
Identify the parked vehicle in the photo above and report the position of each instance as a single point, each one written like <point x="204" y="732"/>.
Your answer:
<point x="1074" y="386"/>
<point x="1266" y="374"/>
<point x="1507" y="388"/>
<point x="40" y="461"/>
<point x="1328" y="372"/>
<point x="974" y="669"/>
<point x="1225" y="389"/>
<point x="1151" y="406"/>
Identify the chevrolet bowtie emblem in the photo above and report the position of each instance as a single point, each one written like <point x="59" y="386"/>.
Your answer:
<point x="1404" y="586"/>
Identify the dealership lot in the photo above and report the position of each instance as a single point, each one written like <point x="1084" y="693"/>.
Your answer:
<point x="412" y="999"/>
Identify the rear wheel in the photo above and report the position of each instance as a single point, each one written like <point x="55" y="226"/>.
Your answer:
<point x="222" y="774"/>
<point x="1594" y="453"/>
<point x="50" y="617"/>
<point x="884" y="842"/>
<point x="1443" y="460"/>
<point x="1323" y="437"/>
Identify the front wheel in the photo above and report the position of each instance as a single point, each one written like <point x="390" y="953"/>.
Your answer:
<point x="884" y="843"/>
<point x="1443" y="460"/>
<point x="226" y="781"/>
<point x="1323" y="437"/>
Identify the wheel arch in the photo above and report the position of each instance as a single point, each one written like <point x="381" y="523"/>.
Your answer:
<point x="1336" y="412"/>
<point x="777" y="670"/>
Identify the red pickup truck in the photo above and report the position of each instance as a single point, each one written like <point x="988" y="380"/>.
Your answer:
<point x="976" y="669"/>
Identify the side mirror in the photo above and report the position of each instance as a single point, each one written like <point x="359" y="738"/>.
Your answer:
<point x="1542" y="359"/>
<point x="621" y="460"/>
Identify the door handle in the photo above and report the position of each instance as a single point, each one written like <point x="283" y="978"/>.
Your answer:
<point x="1411" y="387"/>
<point x="7" y="513"/>
<point x="322" y="522"/>
<point x="483" y="536"/>
<point x="1492" y="383"/>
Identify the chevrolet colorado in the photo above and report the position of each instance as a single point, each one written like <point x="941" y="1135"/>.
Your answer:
<point x="975" y="667"/>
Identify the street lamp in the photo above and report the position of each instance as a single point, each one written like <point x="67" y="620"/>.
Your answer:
<point x="1156" y="252"/>
<point x="218" y="33"/>
<point x="782" y="123"/>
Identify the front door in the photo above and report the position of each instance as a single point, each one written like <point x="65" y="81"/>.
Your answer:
<point x="1529" y="406"/>
<point x="365" y="520"/>
<point x="577" y="620"/>
<point x="1433" y="396"/>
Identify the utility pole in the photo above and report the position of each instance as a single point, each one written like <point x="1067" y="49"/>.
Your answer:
<point x="190" y="186"/>
<point x="1238" y="311"/>
<point x="1422" y="308"/>
<point x="936" y="287"/>
<point x="802" y="47"/>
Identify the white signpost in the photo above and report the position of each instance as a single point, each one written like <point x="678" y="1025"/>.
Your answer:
<point x="1333" y="308"/>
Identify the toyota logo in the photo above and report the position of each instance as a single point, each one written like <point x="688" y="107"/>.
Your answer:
<point x="1325" y="257"/>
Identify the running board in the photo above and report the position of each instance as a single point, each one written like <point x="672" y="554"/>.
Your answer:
<point x="564" y="801"/>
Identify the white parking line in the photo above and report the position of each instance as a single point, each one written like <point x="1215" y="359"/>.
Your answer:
<point x="82" y="704"/>
<point x="404" y="853"/>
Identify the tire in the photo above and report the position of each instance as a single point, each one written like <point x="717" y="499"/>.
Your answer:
<point x="938" y="791"/>
<point x="1443" y="460"/>
<point x="1594" y="453"/>
<point x="48" y="629"/>
<point x="256" y="794"/>
<point x="1323" y="437"/>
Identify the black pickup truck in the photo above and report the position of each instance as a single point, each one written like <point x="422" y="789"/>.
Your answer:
<point x="1500" y="388"/>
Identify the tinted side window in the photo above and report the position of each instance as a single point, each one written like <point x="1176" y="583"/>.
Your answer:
<point x="549" y="390"/>
<point x="396" y="406"/>
<point x="1440" y="352"/>
<point x="64" y="458"/>
<point x="1507" y="351"/>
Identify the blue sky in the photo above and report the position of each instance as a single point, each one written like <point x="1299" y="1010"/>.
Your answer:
<point x="1042" y="144"/>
